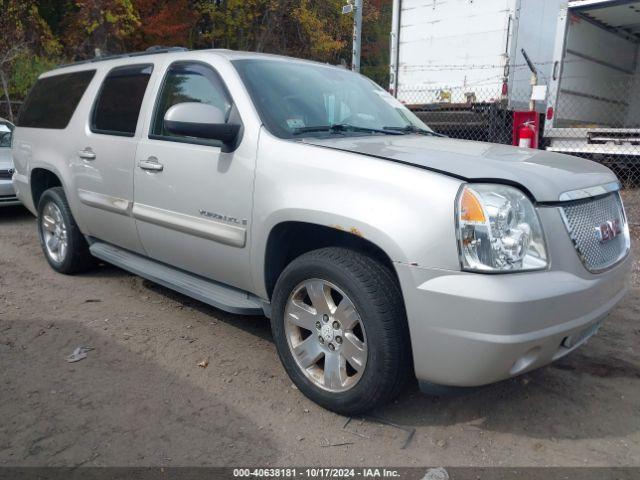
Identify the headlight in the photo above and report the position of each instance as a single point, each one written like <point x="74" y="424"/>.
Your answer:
<point x="498" y="230"/>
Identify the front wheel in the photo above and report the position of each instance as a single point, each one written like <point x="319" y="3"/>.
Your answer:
<point x="340" y="329"/>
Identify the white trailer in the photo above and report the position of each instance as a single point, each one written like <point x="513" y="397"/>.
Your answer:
<point x="594" y="91"/>
<point x="465" y="56"/>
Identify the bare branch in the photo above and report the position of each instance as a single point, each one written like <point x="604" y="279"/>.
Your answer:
<point x="13" y="52"/>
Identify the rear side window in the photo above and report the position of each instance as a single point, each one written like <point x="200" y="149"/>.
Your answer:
<point x="53" y="100"/>
<point x="118" y="104"/>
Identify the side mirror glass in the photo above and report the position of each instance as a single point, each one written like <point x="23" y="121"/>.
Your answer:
<point x="200" y="120"/>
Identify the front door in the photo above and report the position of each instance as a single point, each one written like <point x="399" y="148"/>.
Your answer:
<point x="105" y="157"/>
<point x="193" y="201"/>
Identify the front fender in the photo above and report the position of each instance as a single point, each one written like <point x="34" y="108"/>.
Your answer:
<point x="405" y="211"/>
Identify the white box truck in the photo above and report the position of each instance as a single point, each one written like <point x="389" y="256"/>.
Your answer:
<point x="594" y="90"/>
<point x="459" y="63"/>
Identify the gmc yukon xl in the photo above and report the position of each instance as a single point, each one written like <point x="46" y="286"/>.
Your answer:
<point x="378" y="248"/>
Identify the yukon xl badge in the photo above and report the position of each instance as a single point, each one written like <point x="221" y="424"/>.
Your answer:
<point x="608" y="230"/>
<point x="224" y="218"/>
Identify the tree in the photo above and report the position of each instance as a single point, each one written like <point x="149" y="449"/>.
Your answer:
<point x="323" y="32"/>
<point x="98" y="26"/>
<point x="303" y="28"/>
<point x="310" y="29"/>
<point x="37" y="34"/>
<point x="163" y="22"/>
<point x="235" y="24"/>
<point x="375" y="40"/>
<point x="22" y="31"/>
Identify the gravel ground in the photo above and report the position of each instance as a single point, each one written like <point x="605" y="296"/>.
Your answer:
<point x="140" y="397"/>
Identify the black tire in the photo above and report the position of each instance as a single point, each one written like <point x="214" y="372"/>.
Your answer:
<point x="77" y="258"/>
<point x="374" y="291"/>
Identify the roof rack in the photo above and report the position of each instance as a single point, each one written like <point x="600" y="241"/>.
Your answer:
<point x="149" y="51"/>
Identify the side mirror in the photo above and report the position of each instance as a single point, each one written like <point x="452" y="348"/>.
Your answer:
<point x="201" y="120"/>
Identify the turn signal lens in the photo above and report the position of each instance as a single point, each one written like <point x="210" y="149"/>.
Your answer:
<point x="471" y="208"/>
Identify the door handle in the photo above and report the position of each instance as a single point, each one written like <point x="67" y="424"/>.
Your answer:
<point x="151" y="164"/>
<point x="87" y="154"/>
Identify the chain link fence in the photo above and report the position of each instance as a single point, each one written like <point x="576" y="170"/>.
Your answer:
<point x="577" y="121"/>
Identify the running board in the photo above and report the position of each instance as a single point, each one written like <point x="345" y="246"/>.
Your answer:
<point x="213" y="293"/>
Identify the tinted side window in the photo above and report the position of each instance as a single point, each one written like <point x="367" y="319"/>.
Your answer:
<point x="53" y="100"/>
<point x="189" y="82"/>
<point x="118" y="105"/>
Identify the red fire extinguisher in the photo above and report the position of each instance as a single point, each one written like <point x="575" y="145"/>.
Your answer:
<point x="526" y="134"/>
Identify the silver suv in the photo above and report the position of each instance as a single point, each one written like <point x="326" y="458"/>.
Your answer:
<point x="378" y="248"/>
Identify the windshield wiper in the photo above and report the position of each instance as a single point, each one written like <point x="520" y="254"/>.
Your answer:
<point x="343" y="127"/>
<point x="414" y="129"/>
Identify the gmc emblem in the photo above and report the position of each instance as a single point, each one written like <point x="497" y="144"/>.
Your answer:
<point x="608" y="230"/>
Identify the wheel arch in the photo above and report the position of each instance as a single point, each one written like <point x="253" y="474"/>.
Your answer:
<point x="41" y="179"/>
<point x="289" y="239"/>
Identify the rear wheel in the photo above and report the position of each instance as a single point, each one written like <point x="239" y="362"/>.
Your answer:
<point x="340" y="328"/>
<point x="64" y="246"/>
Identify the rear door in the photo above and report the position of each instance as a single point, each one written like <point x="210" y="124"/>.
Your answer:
<point x="105" y="156"/>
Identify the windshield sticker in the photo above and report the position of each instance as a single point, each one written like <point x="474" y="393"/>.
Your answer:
<point x="294" y="123"/>
<point x="366" y="117"/>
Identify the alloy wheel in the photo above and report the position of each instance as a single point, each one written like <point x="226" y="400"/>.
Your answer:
<point x="54" y="232"/>
<point x="325" y="335"/>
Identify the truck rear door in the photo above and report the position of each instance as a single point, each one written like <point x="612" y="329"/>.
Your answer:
<point x="593" y="100"/>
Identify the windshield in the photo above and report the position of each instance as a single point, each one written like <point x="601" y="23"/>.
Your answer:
<point x="5" y="135"/>
<point x="296" y="99"/>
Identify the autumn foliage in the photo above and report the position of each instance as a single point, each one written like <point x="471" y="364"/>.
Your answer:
<point x="163" y="22"/>
<point x="48" y="32"/>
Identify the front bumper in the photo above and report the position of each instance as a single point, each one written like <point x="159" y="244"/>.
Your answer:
<point x="471" y="329"/>
<point x="7" y="194"/>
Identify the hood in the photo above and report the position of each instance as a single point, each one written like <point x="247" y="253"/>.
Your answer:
<point x="546" y="175"/>
<point x="6" y="160"/>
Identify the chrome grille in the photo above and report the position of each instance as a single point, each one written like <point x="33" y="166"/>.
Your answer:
<point x="583" y="220"/>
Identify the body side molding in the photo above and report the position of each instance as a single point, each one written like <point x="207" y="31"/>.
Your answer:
<point x="233" y="235"/>
<point x="105" y="202"/>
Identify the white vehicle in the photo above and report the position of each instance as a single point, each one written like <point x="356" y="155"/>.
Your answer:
<point x="378" y="248"/>
<point x="594" y="94"/>
<point x="7" y="194"/>
<point x="470" y="46"/>
<point x="459" y="64"/>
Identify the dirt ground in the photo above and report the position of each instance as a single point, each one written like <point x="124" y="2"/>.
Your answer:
<point x="141" y="399"/>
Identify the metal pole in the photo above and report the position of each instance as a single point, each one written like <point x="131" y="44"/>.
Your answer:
<point x="395" y="48"/>
<point x="357" y="35"/>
